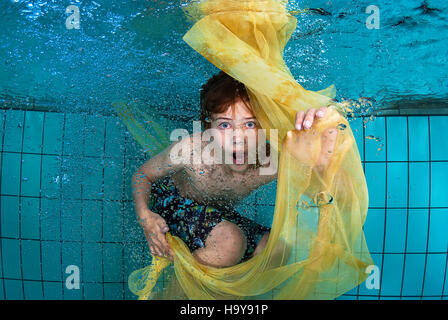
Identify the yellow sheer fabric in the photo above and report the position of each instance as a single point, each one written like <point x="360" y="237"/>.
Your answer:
<point x="316" y="249"/>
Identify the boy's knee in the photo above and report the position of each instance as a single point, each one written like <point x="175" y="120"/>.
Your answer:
<point x="229" y="242"/>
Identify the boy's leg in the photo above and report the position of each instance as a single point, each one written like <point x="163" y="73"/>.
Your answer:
<point x="224" y="246"/>
<point x="280" y="254"/>
<point x="261" y="245"/>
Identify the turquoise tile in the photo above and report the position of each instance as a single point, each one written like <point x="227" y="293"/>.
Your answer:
<point x="395" y="230"/>
<point x="33" y="290"/>
<point x="132" y="230"/>
<point x="352" y="293"/>
<point x="131" y="166"/>
<point x="13" y="289"/>
<point x="247" y="210"/>
<point x="31" y="260"/>
<point x="392" y="274"/>
<point x="114" y="138"/>
<point x="93" y="291"/>
<point x="368" y="298"/>
<point x="374" y="229"/>
<point x="50" y="219"/>
<point x="92" y="179"/>
<point x="2" y="293"/>
<point x="376" y="183"/>
<point x="30" y="185"/>
<point x="73" y="294"/>
<point x="11" y="258"/>
<point x="266" y="194"/>
<point x="265" y="215"/>
<point x="10" y="183"/>
<point x="74" y="134"/>
<point x="53" y="133"/>
<point x="13" y="133"/>
<point x="52" y="291"/>
<point x="439" y="176"/>
<point x="92" y="262"/>
<point x="113" y="262"/>
<point x="52" y="176"/>
<point x="92" y="220"/>
<point x="375" y="135"/>
<point x="133" y="148"/>
<point x="346" y="298"/>
<point x="72" y="177"/>
<point x="71" y="255"/>
<point x="397" y="184"/>
<point x="30" y="218"/>
<point x="413" y="274"/>
<point x="363" y="289"/>
<point x="417" y="230"/>
<point x="113" y="291"/>
<point x="113" y="221"/>
<point x="438" y="235"/>
<point x="94" y="135"/>
<point x="445" y="289"/>
<point x="418" y="138"/>
<point x="10" y="217"/>
<point x="2" y="123"/>
<point x="397" y="148"/>
<point x="435" y="271"/>
<point x="419" y="184"/>
<point x="439" y="142"/>
<point x="358" y="133"/>
<point x="133" y="258"/>
<point x="71" y="220"/>
<point x="113" y="179"/>
<point x="51" y="261"/>
<point x="389" y="298"/>
<point x="32" y="135"/>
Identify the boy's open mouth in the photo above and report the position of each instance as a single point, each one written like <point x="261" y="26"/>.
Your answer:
<point x="239" y="157"/>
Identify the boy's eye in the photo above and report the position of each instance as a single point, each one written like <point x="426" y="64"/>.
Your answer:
<point x="251" y="124"/>
<point x="224" y="125"/>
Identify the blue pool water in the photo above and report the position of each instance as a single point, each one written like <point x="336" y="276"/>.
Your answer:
<point x="66" y="160"/>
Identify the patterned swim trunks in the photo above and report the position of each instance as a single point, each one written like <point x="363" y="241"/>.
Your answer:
<point x="192" y="222"/>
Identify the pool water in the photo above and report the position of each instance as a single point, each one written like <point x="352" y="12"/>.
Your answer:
<point x="66" y="160"/>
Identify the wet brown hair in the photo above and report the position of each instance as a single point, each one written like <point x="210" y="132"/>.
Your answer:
<point x="218" y="93"/>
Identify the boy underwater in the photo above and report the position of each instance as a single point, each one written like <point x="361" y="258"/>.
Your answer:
<point x="195" y="201"/>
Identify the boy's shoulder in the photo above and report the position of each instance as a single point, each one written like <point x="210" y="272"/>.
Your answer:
<point x="187" y="150"/>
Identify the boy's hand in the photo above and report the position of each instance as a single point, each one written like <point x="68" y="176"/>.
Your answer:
<point x="305" y="121"/>
<point x="301" y="146"/>
<point x="155" y="227"/>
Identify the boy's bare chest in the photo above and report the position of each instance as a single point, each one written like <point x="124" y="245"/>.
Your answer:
<point x="212" y="185"/>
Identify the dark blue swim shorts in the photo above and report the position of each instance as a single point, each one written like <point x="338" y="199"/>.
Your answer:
<point x="192" y="222"/>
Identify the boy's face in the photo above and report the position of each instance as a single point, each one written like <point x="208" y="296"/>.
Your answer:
<point x="237" y="125"/>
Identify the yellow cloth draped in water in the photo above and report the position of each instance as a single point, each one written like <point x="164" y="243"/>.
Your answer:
<point x="316" y="249"/>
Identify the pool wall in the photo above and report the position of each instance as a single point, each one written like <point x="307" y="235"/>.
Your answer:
<point x="65" y="200"/>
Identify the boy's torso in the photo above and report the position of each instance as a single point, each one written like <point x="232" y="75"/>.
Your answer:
<point x="215" y="186"/>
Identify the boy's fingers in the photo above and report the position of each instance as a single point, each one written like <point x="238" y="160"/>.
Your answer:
<point x="157" y="244"/>
<point x="299" y="119"/>
<point x="321" y="112"/>
<point x="163" y="226"/>
<point x="309" y="118"/>
<point x="165" y="246"/>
